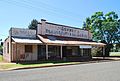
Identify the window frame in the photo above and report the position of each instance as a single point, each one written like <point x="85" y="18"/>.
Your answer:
<point x="28" y="48"/>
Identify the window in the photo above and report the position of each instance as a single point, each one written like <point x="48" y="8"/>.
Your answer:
<point x="54" y="51"/>
<point x="28" y="49"/>
<point x="74" y="51"/>
<point x="86" y="52"/>
<point x="8" y="47"/>
<point x="41" y="50"/>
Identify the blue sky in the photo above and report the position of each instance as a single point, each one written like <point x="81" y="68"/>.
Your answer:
<point x="19" y="13"/>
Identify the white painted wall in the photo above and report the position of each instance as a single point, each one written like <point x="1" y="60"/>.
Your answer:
<point x="6" y="55"/>
<point x="21" y="51"/>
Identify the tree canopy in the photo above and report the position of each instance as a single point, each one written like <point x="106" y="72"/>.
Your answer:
<point x="105" y="27"/>
<point x="33" y="24"/>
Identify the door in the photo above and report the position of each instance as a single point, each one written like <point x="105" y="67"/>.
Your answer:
<point x="41" y="52"/>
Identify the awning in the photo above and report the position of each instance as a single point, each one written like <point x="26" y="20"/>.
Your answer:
<point x="54" y="40"/>
<point x="26" y="40"/>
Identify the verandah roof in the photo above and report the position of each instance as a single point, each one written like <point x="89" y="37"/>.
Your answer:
<point x="53" y="40"/>
<point x="26" y="40"/>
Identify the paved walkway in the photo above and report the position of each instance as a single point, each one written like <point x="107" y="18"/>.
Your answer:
<point x="107" y="58"/>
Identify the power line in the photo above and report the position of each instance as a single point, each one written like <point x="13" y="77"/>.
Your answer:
<point x="30" y="6"/>
<point x="14" y="3"/>
<point x="48" y="9"/>
<point x="3" y="35"/>
<point x="56" y="8"/>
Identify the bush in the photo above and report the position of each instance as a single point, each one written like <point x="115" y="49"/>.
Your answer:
<point x="97" y="51"/>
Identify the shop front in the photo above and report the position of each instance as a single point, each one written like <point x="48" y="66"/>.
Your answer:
<point x="49" y="42"/>
<point x="62" y="41"/>
<point x="24" y="49"/>
<point x="53" y="52"/>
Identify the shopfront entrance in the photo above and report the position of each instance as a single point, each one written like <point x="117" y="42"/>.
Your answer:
<point x="71" y="51"/>
<point x="41" y="52"/>
<point x="53" y="52"/>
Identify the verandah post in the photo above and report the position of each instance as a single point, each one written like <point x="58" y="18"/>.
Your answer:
<point x="61" y="51"/>
<point x="103" y="52"/>
<point x="46" y="51"/>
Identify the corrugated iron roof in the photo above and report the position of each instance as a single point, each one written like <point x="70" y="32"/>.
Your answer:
<point x="25" y="40"/>
<point x="68" y="42"/>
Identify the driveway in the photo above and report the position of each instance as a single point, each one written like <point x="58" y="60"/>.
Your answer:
<point x="104" y="71"/>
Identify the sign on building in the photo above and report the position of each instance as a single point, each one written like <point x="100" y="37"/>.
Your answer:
<point x="61" y="30"/>
<point x="18" y="32"/>
<point x="85" y="46"/>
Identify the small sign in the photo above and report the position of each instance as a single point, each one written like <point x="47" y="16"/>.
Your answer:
<point x="85" y="46"/>
<point x="18" y="32"/>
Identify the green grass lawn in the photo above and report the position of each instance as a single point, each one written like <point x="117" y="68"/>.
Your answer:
<point x="4" y="66"/>
<point x="114" y="53"/>
<point x="8" y="66"/>
<point x="44" y="63"/>
<point x="1" y="58"/>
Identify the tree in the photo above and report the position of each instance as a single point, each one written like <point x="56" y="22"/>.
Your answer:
<point x="33" y="24"/>
<point x="105" y="27"/>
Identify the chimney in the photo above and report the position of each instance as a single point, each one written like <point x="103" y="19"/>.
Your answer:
<point x="43" y="21"/>
<point x="43" y="26"/>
